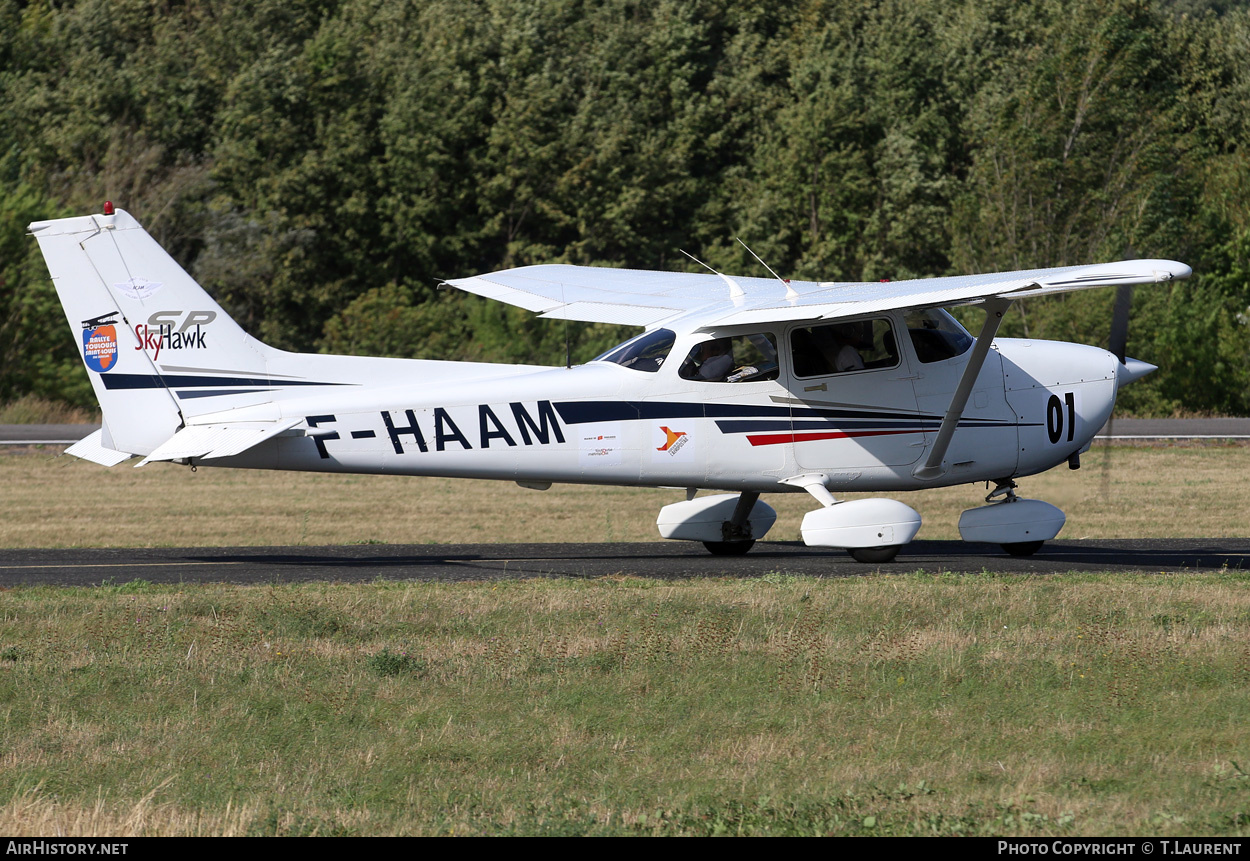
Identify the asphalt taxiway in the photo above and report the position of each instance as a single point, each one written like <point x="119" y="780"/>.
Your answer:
<point x="662" y="560"/>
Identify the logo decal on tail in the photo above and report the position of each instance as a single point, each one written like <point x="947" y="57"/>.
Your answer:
<point x="138" y="288"/>
<point x="99" y="343"/>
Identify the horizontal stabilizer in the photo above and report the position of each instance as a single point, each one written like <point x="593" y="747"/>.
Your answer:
<point x="91" y="447"/>
<point x="221" y="440"/>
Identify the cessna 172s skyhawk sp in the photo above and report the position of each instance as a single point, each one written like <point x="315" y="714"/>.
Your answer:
<point x="742" y="385"/>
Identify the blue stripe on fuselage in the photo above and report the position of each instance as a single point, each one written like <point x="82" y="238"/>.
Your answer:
<point x="163" y="381"/>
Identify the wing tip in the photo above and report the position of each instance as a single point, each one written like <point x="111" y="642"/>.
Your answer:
<point x="1174" y="270"/>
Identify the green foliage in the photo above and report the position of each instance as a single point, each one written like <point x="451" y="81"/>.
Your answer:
<point x="387" y="321"/>
<point x="1076" y="151"/>
<point x="389" y="663"/>
<point x="320" y="165"/>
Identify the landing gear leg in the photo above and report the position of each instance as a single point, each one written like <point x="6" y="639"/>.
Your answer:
<point x="1004" y="487"/>
<point x="736" y="531"/>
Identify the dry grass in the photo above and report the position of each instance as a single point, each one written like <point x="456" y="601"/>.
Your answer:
<point x="49" y="501"/>
<point x="34" y="410"/>
<point x="34" y="814"/>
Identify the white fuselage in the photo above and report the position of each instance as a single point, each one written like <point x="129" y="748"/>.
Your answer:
<point x="1034" y="405"/>
<point x="737" y="384"/>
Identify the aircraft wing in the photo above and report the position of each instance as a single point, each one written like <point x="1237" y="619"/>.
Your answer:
<point x="602" y="295"/>
<point x="644" y="298"/>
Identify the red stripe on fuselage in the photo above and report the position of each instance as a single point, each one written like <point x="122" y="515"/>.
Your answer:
<point x="777" y="439"/>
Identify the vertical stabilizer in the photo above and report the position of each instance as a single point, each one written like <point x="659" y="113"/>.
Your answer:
<point x="141" y="324"/>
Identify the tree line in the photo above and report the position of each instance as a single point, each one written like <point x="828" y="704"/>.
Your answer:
<point x="320" y="165"/>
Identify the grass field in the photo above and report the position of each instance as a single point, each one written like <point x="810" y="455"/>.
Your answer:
<point x="883" y="705"/>
<point x="1067" y="705"/>
<point x="50" y="501"/>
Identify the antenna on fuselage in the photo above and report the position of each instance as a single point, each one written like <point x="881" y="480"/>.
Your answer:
<point x="790" y="293"/>
<point x="735" y="290"/>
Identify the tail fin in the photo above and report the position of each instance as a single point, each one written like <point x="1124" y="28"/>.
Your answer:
<point x="151" y="338"/>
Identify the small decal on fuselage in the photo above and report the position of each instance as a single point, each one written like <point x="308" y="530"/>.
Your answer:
<point x="600" y="446"/>
<point x="673" y="440"/>
<point x="674" y="446"/>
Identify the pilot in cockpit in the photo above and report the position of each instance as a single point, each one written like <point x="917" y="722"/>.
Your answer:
<point x="711" y="361"/>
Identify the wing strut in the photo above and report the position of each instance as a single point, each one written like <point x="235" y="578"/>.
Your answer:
<point x="933" y="468"/>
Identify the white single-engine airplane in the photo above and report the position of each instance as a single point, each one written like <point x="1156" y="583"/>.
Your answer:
<point x="743" y="385"/>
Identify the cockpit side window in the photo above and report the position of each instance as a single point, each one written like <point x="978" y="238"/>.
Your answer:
<point x="736" y="359"/>
<point x="842" y="347"/>
<point x="936" y="335"/>
<point x="646" y="352"/>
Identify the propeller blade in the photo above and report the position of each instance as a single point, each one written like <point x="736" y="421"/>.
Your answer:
<point x="1118" y="343"/>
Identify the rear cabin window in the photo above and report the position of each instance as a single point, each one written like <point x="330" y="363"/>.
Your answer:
<point x="737" y="359"/>
<point x="840" y="348"/>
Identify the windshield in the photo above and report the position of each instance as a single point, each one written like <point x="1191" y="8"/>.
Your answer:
<point x="644" y="353"/>
<point x="936" y="335"/>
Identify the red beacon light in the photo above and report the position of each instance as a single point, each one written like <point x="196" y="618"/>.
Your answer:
<point x="108" y="207"/>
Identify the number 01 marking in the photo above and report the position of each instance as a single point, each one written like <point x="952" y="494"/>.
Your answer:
<point x="1054" y="417"/>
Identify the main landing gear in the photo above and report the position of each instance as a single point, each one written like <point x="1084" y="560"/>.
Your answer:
<point x="727" y="524"/>
<point x="871" y="530"/>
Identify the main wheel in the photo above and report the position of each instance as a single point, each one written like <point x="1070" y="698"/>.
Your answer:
<point x="1023" y="548"/>
<point x="728" y="548"/>
<point x="874" y="555"/>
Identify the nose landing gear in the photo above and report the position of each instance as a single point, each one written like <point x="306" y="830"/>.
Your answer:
<point x="1020" y="526"/>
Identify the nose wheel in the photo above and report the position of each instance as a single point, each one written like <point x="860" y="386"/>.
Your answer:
<point x="874" y="555"/>
<point x="1023" y="548"/>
